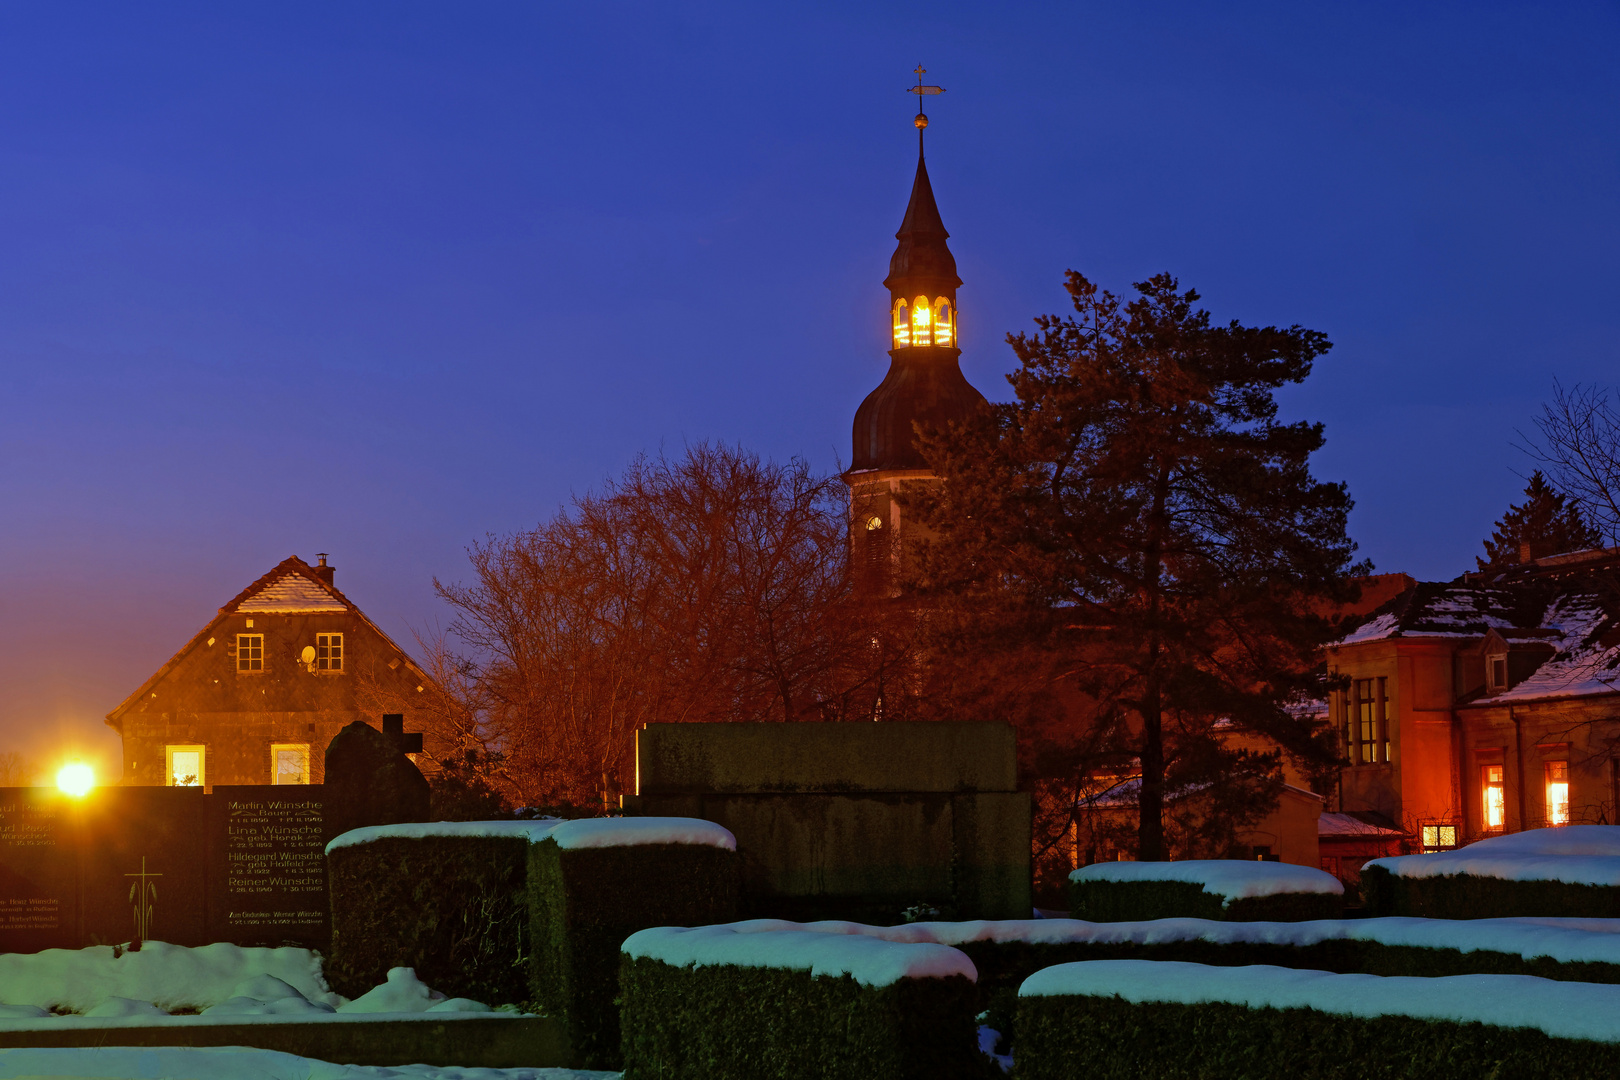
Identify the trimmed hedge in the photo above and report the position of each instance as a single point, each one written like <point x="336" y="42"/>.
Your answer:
<point x="1465" y="896"/>
<point x="737" y="1023"/>
<point x="585" y="901"/>
<point x="1140" y="901"/>
<point x="453" y="908"/>
<point x="1005" y="965"/>
<point x="1059" y="1038"/>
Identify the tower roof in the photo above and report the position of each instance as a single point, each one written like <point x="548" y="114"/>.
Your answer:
<point x="922" y="261"/>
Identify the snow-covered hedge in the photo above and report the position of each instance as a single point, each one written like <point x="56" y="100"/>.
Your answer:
<point x="593" y="883"/>
<point x="744" y="1002"/>
<point x="1140" y="1019"/>
<point x="1203" y="889"/>
<point x="1573" y="871"/>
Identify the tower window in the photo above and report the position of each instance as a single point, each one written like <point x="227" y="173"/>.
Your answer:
<point x="902" y="324"/>
<point x="922" y="322"/>
<point x="943" y="330"/>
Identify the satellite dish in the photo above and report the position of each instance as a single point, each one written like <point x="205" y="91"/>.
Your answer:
<point x="309" y="654"/>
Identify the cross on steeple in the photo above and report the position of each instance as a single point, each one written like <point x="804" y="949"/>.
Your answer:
<point x="922" y="118"/>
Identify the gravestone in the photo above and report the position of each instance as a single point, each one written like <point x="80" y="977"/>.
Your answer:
<point x="142" y="865"/>
<point x="268" y="865"/>
<point x="369" y="779"/>
<point x="38" y="894"/>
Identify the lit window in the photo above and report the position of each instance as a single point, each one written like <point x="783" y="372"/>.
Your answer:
<point x="1367" y="721"/>
<point x="902" y="324"/>
<point x="1557" y="792"/>
<point x="329" y="652"/>
<point x="1439" y="837"/>
<point x="249" y="652"/>
<point x="943" y="331"/>
<point x="1498" y="673"/>
<point x="186" y="765"/>
<point x="289" y="763"/>
<point x="1495" y="801"/>
<point x="873" y="523"/>
<point x="922" y="322"/>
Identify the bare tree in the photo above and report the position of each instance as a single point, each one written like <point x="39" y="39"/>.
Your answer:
<point x="1579" y="447"/>
<point x="17" y="770"/>
<point x="709" y="587"/>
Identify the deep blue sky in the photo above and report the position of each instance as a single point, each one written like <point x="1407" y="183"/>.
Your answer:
<point x="379" y="279"/>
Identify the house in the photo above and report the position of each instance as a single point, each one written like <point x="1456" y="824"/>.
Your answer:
<point x="257" y="694"/>
<point x="1484" y="705"/>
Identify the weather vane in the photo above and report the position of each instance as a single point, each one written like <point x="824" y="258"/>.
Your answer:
<point x="920" y="90"/>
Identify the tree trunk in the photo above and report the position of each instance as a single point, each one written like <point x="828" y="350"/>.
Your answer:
<point x="1150" y="799"/>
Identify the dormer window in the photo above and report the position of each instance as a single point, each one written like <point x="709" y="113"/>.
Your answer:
<point x="1496" y="672"/>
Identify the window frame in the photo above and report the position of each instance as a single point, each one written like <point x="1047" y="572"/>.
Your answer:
<point x="1491" y="668"/>
<point x="200" y="749"/>
<point x="1555" y="773"/>
<point x="323" y="659"/>
<point x="275" y="774"/>
<point x="256" y="657"/>
<point x="1487" y="785"/>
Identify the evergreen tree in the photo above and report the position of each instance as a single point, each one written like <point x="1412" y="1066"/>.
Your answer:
<point x="1547" y="520"/>
<point x="1141" y="511"/>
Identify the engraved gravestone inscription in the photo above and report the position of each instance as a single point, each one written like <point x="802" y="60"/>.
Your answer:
<point x="37" y="909"/>
<point x="269" y="874"/>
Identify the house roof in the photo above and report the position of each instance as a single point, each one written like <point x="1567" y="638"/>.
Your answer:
<point x="1450" y="609"/>
<point x="1587" y="660"/>
<point x="1356" y="823"/>
<point x="291" y="587"/>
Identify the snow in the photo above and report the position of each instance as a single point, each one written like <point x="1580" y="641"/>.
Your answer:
<point x="579" y="833"/>
<point x="533" y="831"/>
<point x="1564" y="940"/>
<point x="1577" y="854"/>
<point x="291" y="594"/>
<point x="1335" y="824"/>
<point x="1230" y="879"/>
<point x="868" y="959"/>
<point x="1373" y="629"/>
<point x="628" y="831"/>
<point x="242" y="1063"/>
<point x="1582" y="664"/>
<point x="1566" y="1010"/>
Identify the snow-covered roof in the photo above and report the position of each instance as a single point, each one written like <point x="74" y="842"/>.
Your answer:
<point x="292" y="594"/>
<point x="1452" y="610"/>
<point x="1335" y="824"/>
<point x="1230" y="879"/>
<point x="1587" y="660"/>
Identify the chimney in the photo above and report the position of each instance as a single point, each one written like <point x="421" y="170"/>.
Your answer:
<point x="1526" y="556"/>
<point x="323" y="571"/>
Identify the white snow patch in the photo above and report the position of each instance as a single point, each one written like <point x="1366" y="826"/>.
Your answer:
<point x="1577" y="854"/>
<point x="1372" y="629"/>
<point x="868" y="959"/>
<point x="1566" y="1010"/>
<point x="292" y="594"/>
<point x="1231" y="879"/>
<point x="533" y="831"/>
<point x="403" y="992"/>
<point x="628" y="831"/>
<point x="170" y="976"/>
<point x="243" y="1063"/>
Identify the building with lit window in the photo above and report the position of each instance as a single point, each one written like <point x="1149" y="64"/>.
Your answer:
<point x="924" y="386"/>
<point x="1484" y="705"/>
<point x="257" y="694"/>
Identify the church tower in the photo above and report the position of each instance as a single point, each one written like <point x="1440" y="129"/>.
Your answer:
<point x="924" y="386"/>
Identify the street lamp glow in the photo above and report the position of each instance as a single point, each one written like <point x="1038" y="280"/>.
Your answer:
<point x="76" y="778"/>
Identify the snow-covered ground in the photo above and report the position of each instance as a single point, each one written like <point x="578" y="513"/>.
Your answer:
<point x="239" y="1063"/>
<point x="1577" y="854"/>
<point x="1230" y="879"/>
<point x="1566" y="1010"/>
<point x="107" y="987"/>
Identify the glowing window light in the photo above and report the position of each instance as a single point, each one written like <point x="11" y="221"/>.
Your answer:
<point x="1557" y="792"/>
<point x="942" y="321"/>
<point x="1495" y="801"/>
<point x="902" y="325"/>
<point x="922" y="317"/>
<point x="76" y="779"/>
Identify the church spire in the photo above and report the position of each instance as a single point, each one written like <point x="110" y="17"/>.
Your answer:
<point x="922" y="279"/>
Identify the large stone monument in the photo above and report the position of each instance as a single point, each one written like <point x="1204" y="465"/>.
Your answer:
<point x="854" y="821"/>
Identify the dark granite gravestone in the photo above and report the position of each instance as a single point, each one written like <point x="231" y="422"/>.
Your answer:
<point x="38" y="895"/>
<point x="143" y="858"/>
<point x="268" y="866"/>
<point x="370" y="781"/>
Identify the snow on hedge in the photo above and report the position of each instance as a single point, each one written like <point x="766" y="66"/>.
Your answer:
<point x="867" y="959"/>
<point x="578" y="833"/>
<point x="1575" y="854"/>
<point x="533" y="831"/>
<point x="629" y="831"/>
<point x="1566" y="1010"/>
<point x="242" y="1063"/>
<point x="1231" y="879"/>
<point x="1564" y="940"/>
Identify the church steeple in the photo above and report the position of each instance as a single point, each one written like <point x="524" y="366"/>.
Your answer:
<point x="922" y="279"/>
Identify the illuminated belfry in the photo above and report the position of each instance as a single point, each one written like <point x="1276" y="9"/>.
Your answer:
<point x="924" y="385"/>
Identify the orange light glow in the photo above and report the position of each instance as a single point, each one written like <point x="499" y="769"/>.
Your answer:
<point x="76" y="779"/>
<point x="1557" y="792"/>
<point x="1495" y="800"/>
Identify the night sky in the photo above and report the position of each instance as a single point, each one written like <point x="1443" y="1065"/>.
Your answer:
<point x="381" y="279"/>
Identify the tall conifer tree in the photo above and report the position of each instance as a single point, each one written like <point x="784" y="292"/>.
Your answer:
<point x="1140" y="508"/>
<point x="1548" y="521"/>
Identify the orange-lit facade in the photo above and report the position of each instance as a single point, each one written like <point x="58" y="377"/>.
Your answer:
<point x="1484" y="705"/>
